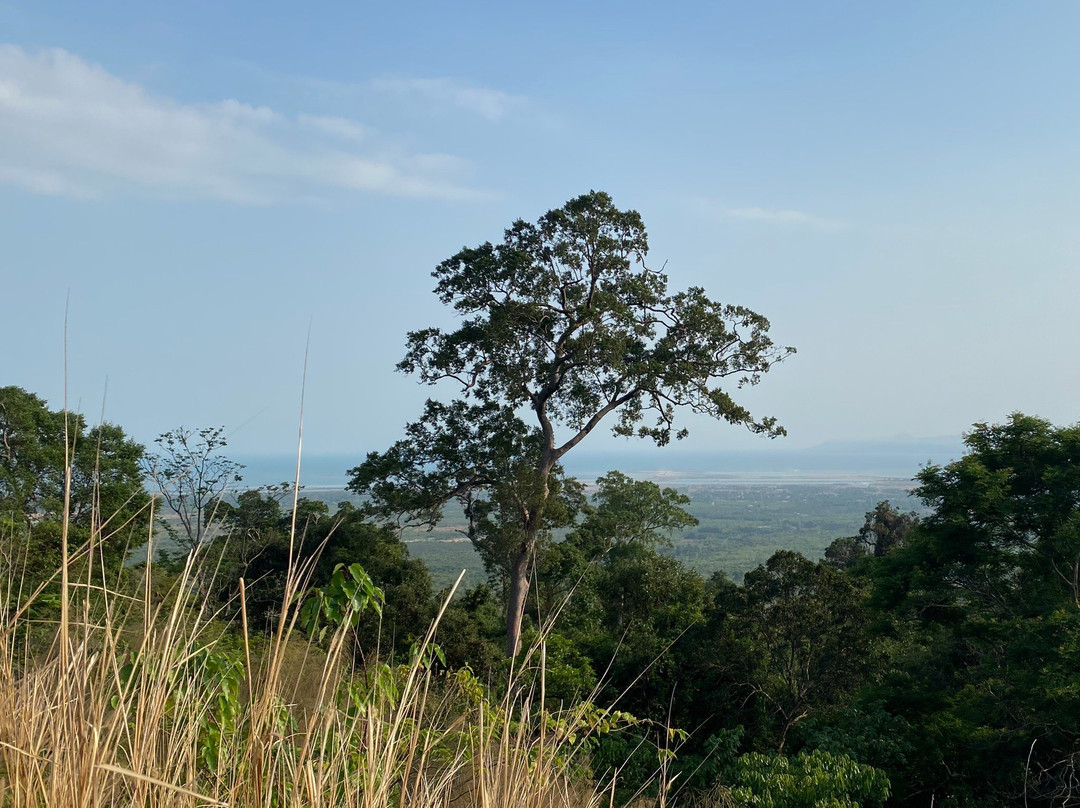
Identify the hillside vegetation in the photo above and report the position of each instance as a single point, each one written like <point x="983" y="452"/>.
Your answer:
<point x="302" y="656"/>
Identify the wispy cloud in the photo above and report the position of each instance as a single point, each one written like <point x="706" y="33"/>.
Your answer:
<point x="772" y="216"/>
<point x="765" y="216"/>
<point x="69" y="127"/>
<point x="493" y="105"/>
<point x="343" y="128"/>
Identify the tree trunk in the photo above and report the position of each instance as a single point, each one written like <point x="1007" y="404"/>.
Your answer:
<point x="515" y="602"/>
<point x="519" y="571"/>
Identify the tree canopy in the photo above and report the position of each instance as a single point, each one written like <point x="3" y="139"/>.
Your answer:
<point x="106" y="499"/>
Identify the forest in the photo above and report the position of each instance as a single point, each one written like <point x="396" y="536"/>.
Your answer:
<point x="282" y="651"/>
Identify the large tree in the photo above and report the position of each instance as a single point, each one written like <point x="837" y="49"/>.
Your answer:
<point x="106" y="498"/>
<point x="562" y="323"/>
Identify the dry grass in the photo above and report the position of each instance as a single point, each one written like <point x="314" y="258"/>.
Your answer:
<point x="139" y="699"/>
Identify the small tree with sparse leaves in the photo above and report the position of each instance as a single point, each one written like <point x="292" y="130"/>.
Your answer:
<point x="191" y="476"/>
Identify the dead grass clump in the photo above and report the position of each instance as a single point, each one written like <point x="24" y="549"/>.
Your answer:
<point x="138" y="699"/>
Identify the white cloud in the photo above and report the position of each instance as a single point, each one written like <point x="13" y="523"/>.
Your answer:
<point x="338" y="127"/>
<point x="782" y="217"/>
<point x="70" y="127"/>
<point x="44" y="182"/>
<point x="490" y="104"/>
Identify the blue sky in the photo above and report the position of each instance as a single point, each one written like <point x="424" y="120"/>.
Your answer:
<point x="894" y="185"/>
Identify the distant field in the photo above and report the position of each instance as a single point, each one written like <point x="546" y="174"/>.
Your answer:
<point x="741" y="523"/>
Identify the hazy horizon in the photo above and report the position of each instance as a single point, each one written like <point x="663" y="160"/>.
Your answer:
<point x="899" y="459"/>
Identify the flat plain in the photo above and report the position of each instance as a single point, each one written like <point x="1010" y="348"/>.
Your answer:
<point x="742" y="520"/>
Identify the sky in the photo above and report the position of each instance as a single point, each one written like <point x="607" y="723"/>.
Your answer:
<point x="213" y="191"/>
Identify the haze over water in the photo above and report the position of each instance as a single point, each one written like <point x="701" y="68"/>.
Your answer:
<point x="827" y="463"/>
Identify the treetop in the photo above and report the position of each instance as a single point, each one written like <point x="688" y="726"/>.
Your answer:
<point x="565" y="317"/>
